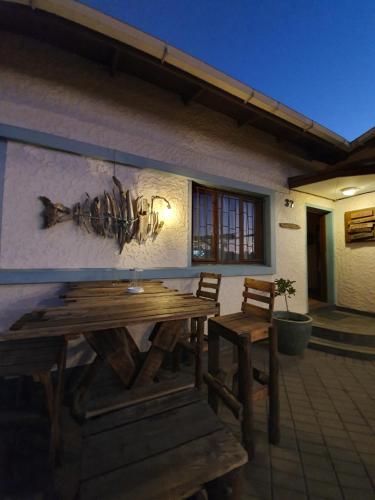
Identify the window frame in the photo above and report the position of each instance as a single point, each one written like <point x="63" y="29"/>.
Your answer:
<point x="259" y="229"/>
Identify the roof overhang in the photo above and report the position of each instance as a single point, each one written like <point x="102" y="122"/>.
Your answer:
<point x="82" y="30"/>
<point x="357" y="171"/>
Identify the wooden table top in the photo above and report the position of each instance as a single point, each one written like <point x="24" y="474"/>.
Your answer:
<point x="96" y="306"/>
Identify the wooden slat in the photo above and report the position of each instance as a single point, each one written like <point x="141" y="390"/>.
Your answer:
<point x="262" y="286"/>
<point x="361" y="213"/>
<point x="361" y="236"/>
<point x="132" y="397"/>
<point x="207" y="295"/>
<point x="125" y="314"/>
<point x="255" y="296"/>
<point x="258" y="312"/>
<point x="205" y="284"/>
<point x="79" y="327"/>
<point x="228" y="398"/>
<point x="363" y="219"/>
<point x="105" y="452"/>
<point x="151" y="403"/>
<point x="361" y="228"/>
<point x="194" y="464"/>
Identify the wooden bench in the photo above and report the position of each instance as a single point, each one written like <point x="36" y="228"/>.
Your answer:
<point x="166" y="447"/>
<point x="36" y="357"/>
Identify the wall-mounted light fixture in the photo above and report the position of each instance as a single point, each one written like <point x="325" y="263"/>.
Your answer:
<point x="289" y="203"/>
<point x="167" y="211"/>
<point x="349" y="191"/>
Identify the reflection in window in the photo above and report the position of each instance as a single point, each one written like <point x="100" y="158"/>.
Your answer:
<point x="227" y="227"/>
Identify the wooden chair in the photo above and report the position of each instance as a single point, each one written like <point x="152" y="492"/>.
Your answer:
<point x="36" y="357"/>
<point x="207" y="290"/>
<point x="242" y="329"/>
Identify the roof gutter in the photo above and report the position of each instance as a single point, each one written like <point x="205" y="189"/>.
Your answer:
<point x="90" y="18"/>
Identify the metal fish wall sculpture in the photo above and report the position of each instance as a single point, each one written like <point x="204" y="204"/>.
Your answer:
<point x="111" y="215"/>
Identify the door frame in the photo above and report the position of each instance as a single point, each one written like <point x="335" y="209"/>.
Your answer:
<point x="330" y="252"/>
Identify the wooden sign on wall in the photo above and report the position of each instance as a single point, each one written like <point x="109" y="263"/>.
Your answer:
<point x="360" y="226"/>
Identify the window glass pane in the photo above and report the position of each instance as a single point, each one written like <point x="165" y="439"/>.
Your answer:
<point x="203" y="230"/>
<point x="249" y="230"/>
<point x="229" y="228"/>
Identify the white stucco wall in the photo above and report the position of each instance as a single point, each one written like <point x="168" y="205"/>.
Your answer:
<point x="355" y="262"/>
<point x="65" y="95"/>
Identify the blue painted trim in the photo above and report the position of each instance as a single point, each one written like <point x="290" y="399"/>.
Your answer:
<point x="35" y="276"/>
<point x="72" y="146"/>
<point x="3" y="154"/>
<point x="330" y="250"/>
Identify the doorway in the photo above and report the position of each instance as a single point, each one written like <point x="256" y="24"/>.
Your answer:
<point x="317" y="256"/>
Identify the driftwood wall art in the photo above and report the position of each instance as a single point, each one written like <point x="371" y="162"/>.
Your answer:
<point x="112" y="215"/>
<point x="360" y="226"/>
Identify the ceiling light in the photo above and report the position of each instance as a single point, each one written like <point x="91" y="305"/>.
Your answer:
<point x="349" y="191"/>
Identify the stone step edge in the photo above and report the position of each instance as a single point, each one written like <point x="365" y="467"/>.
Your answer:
<point x="342" y="349"/>
<point x="350" y="338"/>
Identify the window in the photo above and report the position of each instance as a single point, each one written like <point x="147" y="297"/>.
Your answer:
<point x="227" y="227"/>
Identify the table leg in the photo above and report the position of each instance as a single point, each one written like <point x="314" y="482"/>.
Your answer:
<point x="83" y="385"/>
<point x="245" y="392"/>
<point x="164" y="338"/>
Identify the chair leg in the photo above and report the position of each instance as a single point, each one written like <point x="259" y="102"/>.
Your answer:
<point x="213" y="366"/>
<point x="274" y="416"/>
<point x="245" y="392"/>
<point x="199" y="353"/>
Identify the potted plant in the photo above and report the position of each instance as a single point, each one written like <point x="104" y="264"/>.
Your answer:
<point x="293" y="329"/>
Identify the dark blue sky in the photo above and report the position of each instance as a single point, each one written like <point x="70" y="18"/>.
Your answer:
<point x="316" y="56"/>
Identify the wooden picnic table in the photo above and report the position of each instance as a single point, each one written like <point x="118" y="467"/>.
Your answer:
<point x="102" y="313"/>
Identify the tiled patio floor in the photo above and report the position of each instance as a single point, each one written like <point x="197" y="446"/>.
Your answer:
<point x="327" y="448"/>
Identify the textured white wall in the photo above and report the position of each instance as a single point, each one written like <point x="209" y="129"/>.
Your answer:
<point x="65" y="178"/>
<point x="355" y="262"/>
<point x="65" y="95"/>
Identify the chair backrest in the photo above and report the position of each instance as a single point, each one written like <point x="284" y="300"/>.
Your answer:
<point x="261" y="292"/>
<point x="213" y="286"/>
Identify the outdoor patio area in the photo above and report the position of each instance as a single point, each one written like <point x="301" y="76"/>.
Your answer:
<point x="327" y="447"/>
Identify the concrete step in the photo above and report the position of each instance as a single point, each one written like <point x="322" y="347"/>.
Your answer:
<point x="333" y="332"/>
<point x="342" y="349"/>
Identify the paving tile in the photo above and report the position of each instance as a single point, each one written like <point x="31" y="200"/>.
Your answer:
<point x="368" y="458"/>
<point x="333" y="442"/>
<point x="307" y="427"/>
<point x="290" y="481"/>
<point x="285" y="454"/>
<point x="287" y="466"/>
<point x="310" y="460"/>
<point x="310" y="437"/>
<point x="323" y="490"/>
<point x="344" y="455"/>
<point x="354" y="481"/>
<point x="354" y="469"/>
<point x="334" y="432"/>
<point x="331" y="423"/>
<point x="327" y="474"/>
<point x="253" y="472"/>
<point x="313" y="448"/>
<point x="358" y="494"/>
<point x="352" y="427"/>
<point x="287" y="494"/>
